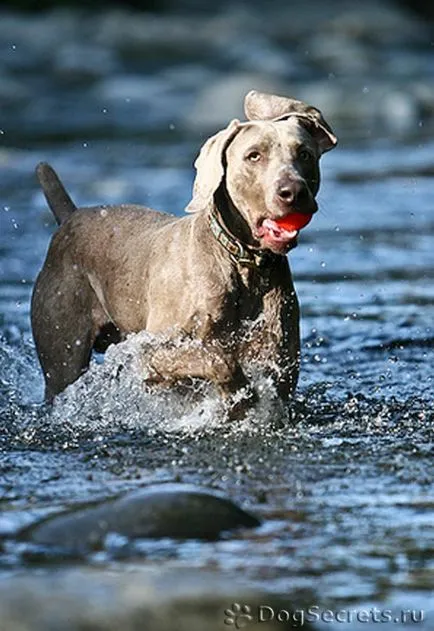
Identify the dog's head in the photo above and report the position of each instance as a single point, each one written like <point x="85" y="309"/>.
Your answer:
<point x="269" y="166"/>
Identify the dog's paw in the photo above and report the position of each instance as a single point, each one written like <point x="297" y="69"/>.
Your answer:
<point x="239" y="403"/>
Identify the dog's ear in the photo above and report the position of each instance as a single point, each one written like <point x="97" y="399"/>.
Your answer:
<point x="209" y="167"/>
<point x="262" y="106"/>
<point x="319" y="130"/>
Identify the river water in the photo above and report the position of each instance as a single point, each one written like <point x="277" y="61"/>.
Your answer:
<point x="346" y="491"/>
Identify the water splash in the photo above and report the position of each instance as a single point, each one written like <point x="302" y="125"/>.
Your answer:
<point x="20" y="378"/>
<point x="114" y="395"/>
<point x="112" y="401"/>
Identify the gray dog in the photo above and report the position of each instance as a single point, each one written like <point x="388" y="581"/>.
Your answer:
<point x="216" y="282"/>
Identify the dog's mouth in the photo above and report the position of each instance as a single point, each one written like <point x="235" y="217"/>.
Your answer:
<point x="280" y="235"/>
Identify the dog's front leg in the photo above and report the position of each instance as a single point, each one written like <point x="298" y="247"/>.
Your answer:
<point x="282" y="330"/>
<point x="273" y="342"/>
<point x="183" y="358"/>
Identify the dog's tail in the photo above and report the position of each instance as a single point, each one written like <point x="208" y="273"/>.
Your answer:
<point x="59" y="201"/>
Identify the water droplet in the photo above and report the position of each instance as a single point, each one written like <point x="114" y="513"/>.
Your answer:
<point x="323" y="264"/>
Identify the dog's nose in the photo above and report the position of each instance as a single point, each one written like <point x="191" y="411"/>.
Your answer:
<point x="291" y="192"/>
<point x="286" y="193"/>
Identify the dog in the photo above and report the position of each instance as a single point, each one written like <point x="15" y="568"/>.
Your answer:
<point x="216" y="282"/>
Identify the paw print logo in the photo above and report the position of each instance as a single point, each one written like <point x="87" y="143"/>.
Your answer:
<point x="238" y="615"/>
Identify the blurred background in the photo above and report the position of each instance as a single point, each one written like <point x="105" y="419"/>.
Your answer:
<point x="130" y="67"/>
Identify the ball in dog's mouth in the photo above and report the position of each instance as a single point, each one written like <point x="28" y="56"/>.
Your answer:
<point x="280" y="234"/>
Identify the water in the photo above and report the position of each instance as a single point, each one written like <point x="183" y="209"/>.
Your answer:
<point x="346" y="489"/>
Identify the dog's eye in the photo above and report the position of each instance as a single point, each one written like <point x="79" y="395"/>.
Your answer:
<point x="253" y="156"/>
<point x="304" y="156"/>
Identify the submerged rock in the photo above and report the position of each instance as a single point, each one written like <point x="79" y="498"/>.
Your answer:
<point x="170" y="510"/>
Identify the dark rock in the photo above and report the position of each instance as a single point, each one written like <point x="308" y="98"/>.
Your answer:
<point x="170" y="510"/>
<point x="420" y="7"/>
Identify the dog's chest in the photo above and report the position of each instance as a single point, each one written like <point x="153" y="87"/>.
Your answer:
<point x="245" y="301"/>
